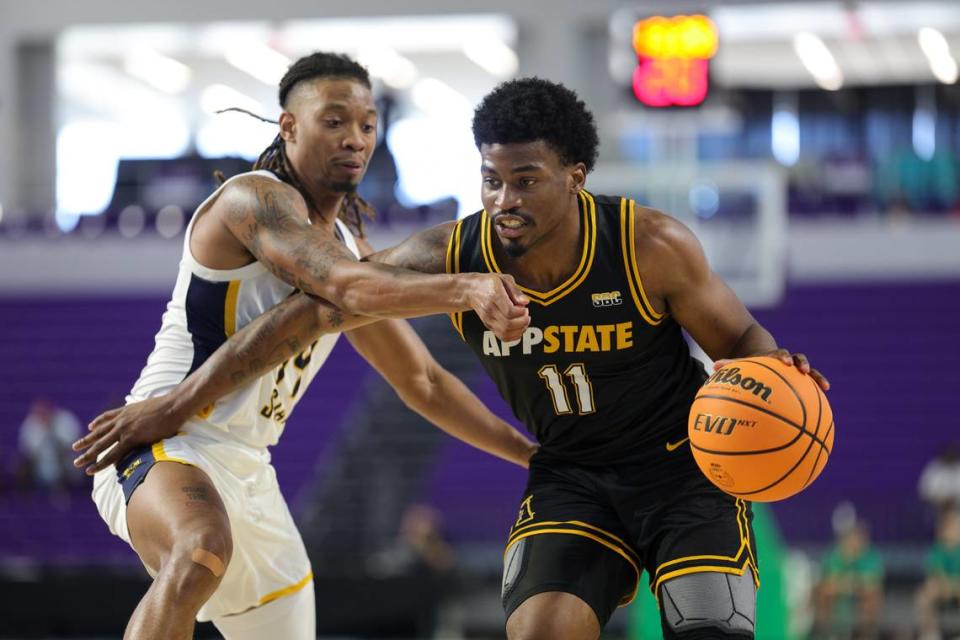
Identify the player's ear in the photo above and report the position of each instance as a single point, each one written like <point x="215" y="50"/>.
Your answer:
<point x="288" y="126"/>
<point x="577" y="177"/>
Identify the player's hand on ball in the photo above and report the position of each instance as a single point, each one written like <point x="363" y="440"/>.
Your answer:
<point x="797" y="360"/>
<point x="501" y="305"/>
<point x="135" y="425"/>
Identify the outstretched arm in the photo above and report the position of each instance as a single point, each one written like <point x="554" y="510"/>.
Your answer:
<point x="257" y="348"/>
<point x="271" y="220"/>
<point x="394" y="349"/>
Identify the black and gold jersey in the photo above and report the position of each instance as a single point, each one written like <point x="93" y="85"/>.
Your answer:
<point x="599" y="375"/>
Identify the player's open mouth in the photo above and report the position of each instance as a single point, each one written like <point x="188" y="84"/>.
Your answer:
<point x="510" y="226"/>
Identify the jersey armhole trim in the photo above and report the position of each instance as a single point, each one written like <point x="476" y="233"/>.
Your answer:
<point x="452" y="267"/>
<point x="629" y="249"/>
<point x="230" y="308"/>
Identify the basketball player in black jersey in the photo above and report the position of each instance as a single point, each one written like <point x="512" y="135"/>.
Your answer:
<point x="602" y="377"/>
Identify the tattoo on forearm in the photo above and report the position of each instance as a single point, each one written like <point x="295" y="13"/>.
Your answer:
<point x="272" y="212"/>
<point x="256" y="350"/>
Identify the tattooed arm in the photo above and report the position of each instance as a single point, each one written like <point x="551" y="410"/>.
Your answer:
<point x="271" y="220"/>
<point x="277" y="335"/>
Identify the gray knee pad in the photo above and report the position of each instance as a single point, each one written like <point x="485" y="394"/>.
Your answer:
<point x="723" y="601"/>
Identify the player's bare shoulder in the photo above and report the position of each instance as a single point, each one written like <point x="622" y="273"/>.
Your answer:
<point x="667" y="251"/>
<point x="255" y="198"/>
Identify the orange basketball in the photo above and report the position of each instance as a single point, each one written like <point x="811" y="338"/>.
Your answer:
<point x="760" y="429"/>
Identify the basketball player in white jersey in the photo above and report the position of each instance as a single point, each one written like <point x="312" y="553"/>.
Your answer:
<point x="202" y="508"/>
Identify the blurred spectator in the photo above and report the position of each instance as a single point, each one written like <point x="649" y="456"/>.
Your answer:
<point x="940" y="479"/>
<point x="45" y="454"/>
<point x="420" y="553"/>
<point x="938" y="601"/>
<point x="850" y="593"/>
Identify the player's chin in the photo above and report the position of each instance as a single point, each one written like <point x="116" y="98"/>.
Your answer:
<point x="345" y="186"/>
<point x="513" y="248"/>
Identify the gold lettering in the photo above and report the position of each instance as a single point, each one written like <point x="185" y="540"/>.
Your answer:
<point x="605" y="330"/>
<point x="550" y="337"/>
<point x="624" y="335"/>
<point x="588" y="340"/>
<point x="569" y="332"/>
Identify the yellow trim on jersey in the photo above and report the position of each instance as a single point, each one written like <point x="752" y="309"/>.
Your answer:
<point x="584" y="534"/>
<point x="286" y="591"/>
<point x="160" y="455"/>
<point x="629" y="249"/>
<point x="546" y="298"/>
<point x="230" y="308"/>
<point x="453" y="266"/>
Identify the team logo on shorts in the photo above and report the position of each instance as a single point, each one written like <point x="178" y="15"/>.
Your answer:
<point x="526" y="511"/>
<point x="131" y="468"/>
<point x="606" y="299"/>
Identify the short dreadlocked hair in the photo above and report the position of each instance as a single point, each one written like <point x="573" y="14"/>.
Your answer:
<point x="274" y="158"/>
<point x="321" y="65"/>
<point x="531" y="109"/>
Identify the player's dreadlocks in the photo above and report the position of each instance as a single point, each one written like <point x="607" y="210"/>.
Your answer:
<point x="274" y="157"/>
<point x="531" y="109"/>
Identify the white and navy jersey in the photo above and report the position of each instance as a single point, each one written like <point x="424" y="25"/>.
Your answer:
<point x="207" y="307"/>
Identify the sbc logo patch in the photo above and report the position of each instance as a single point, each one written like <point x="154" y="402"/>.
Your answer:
<point x="607" y="299"/>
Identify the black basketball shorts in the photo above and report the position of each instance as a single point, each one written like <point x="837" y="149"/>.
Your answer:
<point x="591" y="531"/>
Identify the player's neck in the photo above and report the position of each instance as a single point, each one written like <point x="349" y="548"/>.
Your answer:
<point x="552" y="259"/>
<point x="326" y="208"/>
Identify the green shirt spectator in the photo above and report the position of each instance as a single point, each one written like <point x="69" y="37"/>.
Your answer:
<point x="943" y="560"/>
<point x="864" y="568"/>
<point x="941" y="589"/>
<point x="850" y="593"/>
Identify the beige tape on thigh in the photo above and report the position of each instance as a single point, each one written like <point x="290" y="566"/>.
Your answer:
<point x="208" y="560"/>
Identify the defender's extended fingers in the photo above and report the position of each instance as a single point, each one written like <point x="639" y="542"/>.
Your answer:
<point x="105" y="440"/>
<point x="111" y="458"/>
<point x="93" y="436"/>
<point x="103" y="417"/>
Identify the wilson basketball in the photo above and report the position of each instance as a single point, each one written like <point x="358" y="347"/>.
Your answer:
<point x="760" y="429"/>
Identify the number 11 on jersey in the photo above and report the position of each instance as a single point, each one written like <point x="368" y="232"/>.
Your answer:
<point x="577" y="373"/>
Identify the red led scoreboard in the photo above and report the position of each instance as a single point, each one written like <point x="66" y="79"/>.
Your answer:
<point x="673" y="59"/>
